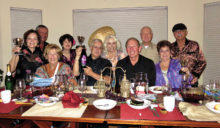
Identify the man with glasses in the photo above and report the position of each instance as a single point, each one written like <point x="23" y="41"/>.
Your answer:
<point x="94" y="63"/>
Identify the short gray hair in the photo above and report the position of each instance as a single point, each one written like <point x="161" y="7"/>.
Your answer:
<point x="147" y="28"/>
<point x="95" y="40"/>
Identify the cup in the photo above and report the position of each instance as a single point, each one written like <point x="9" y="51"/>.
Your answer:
<point x="6" y="96"/>
<point x="169" y="103"/>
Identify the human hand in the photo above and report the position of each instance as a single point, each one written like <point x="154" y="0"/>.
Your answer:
<point x="16" y="49"/>
<point x="78" y="52"/>
<point x="88" y="70"/>
<point x="186" y="70"/>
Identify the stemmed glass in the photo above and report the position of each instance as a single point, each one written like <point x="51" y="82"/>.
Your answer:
<point x="20" y="85"/>
<point x="18" y="42"/>
<point x="213" y="88"/>
<point x="82" y="83"/>
<point x="183" y="64"/>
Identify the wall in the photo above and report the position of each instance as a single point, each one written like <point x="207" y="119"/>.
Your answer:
<point x="57" y="15"/>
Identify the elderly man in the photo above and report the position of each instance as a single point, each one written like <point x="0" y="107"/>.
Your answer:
<point x="94" y="63"/>
<point x="149" y="50"/>
<point x="188" y="52"/>
<point x="135" y="62"/>
<point x="43" y="32"/>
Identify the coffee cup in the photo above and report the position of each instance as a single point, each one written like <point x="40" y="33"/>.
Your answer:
<point x="169" y="103"/>
<point x="6" y="96"/>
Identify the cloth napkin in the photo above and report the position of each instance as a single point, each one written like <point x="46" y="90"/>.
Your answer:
<point x="41" y="82"/>
<point x="6" y="108"/>
<point x="71" y="100"/>
<point x="198" y="112"/>
<point x="127" y="112"/>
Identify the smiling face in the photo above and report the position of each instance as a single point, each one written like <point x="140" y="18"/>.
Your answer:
<point x="96" y="49"/>
<point x="43" y="32"/>
<point x="180" y="34"/>
<point x="164" y="53"/>
<point x="67" y="45"/>
<point x="146" y="35"/>
<point x="32" y="40"/>
<point x="133" y="49"/>
<point x="52" y="56"/>
<point x="111" y="45"/>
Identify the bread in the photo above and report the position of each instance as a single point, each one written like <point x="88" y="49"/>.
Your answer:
<point x="217" y="107"/>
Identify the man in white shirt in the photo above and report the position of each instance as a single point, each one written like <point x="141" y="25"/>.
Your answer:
<point x="149" y="50"/>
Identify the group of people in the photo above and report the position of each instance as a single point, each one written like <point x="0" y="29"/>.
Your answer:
<point x="161" y="62"/>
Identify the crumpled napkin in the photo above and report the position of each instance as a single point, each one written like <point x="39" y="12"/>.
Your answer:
<point x="41" y="82"/>
<point x="71" y="100"/>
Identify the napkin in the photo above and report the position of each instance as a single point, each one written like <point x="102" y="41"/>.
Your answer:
<point x="71" y="100"/>
<point x="6" y="108"/>
<point x="41" y="82"/>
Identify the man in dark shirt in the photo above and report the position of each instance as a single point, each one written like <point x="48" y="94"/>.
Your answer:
<point x="94" y="64"/>
<point x="43" y="32"/>
<point x="135" y="63"/>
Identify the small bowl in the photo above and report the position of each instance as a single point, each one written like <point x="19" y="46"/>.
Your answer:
<point x="104" y="104"/>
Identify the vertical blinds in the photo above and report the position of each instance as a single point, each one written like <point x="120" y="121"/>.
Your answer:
<point x="212" y="41"/>
<point x="23" y="20"/>
<point x="126" y="22"/>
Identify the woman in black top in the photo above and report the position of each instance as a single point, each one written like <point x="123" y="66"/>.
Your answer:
<point x="31" y="58"/>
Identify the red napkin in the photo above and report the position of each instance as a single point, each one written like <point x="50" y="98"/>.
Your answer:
<point x="6" y="108"/>
<point x="127" y="112"/>
<point x="71" y="100"/>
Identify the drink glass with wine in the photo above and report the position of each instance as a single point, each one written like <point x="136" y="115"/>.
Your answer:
<point x="21" y="86"/>
<point x="18" y="42"/>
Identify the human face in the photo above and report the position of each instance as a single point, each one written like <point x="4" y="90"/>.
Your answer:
<point x="52" y="56"/>
<point x="146" y="35"/>
<point x="180" y="34"/>
<point x="96" y="50"/>
<point x="133" y="49"/>
<point x="111" y="45"/>
<point x="67" y="45"/>
<point x="165" y="53"/>
<point x="32" y="40"/>
<point x="43" y="32"/>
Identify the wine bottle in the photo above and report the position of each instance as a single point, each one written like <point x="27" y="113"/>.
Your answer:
<point x="83" y="57"/>
<point x="9" y="82"/>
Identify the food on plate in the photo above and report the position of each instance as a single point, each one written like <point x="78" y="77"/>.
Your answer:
<point x="136" y="101"/>
<point x="44" y="99"/>
<point x="158" y="89"/>
<point x="163" y="111"/>
<point x="217" y="107"/>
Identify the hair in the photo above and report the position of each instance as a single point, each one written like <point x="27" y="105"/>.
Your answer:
<point x="68" y="37"/>
<point x="41" y="26"/>
<point x="95" y="40"/>
<point x="145" y="28"/>
<point x="118" y="43"/>
<point x="132" y="38"/>
<point x="50" y="47"/>
<point x="27" y="33"/>
<point x="163" y="43"/>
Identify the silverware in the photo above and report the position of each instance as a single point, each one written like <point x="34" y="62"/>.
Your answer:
<point x="152" y="111"/>
<point x="156" y="112"/>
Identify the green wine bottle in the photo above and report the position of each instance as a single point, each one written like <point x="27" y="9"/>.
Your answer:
<point x="9" y="82"/>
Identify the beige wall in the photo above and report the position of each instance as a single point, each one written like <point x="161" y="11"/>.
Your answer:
<point x="57" y="15"/>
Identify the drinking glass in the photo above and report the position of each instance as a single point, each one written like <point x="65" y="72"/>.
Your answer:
<point x="213" y="88"/>
<point x="20" y="85"/>
<point x="183" y="64"/>
<point x="82" y="85"/>
<point x="18" y="42"/>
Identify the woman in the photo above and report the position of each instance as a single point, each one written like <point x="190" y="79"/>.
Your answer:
<point x="67" y="42"/>
<point x="53" y="53"/>
<point x="31" y="58"/>
<point x="112" y="50"/>
<point x="167" y="69"/>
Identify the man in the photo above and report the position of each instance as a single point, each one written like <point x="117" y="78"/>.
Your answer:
<point x="135" y="62"/>
<point x="188" y="52"/>
<point x="94" y="63"/>
<point x="149" y="50"/>
<point x="43" y="32"/>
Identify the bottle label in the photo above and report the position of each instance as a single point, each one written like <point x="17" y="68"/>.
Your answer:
<point x="83" y="60"/>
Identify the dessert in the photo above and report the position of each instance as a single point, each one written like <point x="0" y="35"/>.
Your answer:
<point x="136" y="101"/>
<point x="217" y="107"/>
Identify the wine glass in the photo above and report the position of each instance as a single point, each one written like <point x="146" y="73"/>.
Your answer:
<point x="18" y="42"/>
<point x="183" y="64"/>
<point x="80" y="39"/>
<point x="82" y="85"/>
<point x="213" y="88"/>
<point x="20" y="85"/>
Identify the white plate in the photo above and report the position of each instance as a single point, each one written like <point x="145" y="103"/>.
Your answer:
<point x="145" y="105"/>
<point x="156" y="92"/>
<point x="53" y="100"/>
<point x="211" y="106"/>
<point x="104" y="104"/>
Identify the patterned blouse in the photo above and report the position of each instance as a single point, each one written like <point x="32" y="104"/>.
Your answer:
<point x="28" y="62"/>
<point x="192" y="55"/>
<point x="174" y="78"/>
<point x="72" y="58"/>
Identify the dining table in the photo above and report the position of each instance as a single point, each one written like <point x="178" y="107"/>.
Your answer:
<point x="107" y="117"/>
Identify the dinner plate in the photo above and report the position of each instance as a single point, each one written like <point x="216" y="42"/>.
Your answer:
<point x="152" y="89"/>
<point x="211" y="105"/>
<point x="145" y="105"/>
<point x="52" y="101"/>
<point x="104" y="104"/>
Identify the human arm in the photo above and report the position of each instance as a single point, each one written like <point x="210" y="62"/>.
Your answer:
<point x="15" y="58"/>
<point x="76" y="71"/>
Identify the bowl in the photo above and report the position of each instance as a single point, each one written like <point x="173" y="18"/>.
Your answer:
<point x="104" y="104"/>
<point x="193" y="94"/>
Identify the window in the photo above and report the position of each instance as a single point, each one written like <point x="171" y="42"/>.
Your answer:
<point x="211" y="41"/>
<point x="23" y="20"/>
<point x="126" y="22"/>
